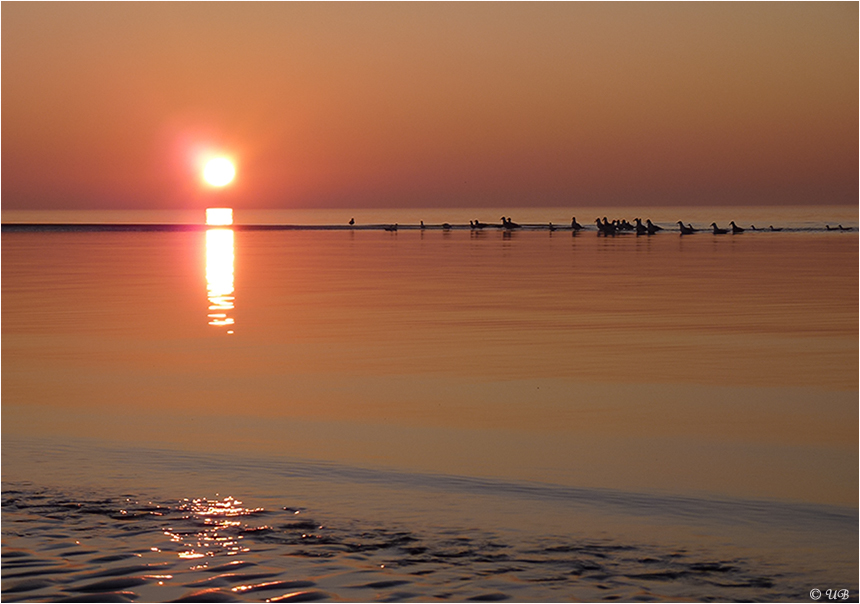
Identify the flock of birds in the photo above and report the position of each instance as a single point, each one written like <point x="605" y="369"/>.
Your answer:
<point x="649" y="228"/>
<point x="605" y="227"/>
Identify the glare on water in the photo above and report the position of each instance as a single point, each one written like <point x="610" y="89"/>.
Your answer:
<point x="219" y="275"/>
<point x="219" y="216"/>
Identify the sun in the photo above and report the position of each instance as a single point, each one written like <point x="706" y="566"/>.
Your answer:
<point x="219" y="172"/>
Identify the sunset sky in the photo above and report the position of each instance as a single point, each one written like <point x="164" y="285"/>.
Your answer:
<point x="114" y="105"/>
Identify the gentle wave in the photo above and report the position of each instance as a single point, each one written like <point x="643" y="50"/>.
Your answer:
<point x="670" y="506"/>
<point x="693" y="509"/>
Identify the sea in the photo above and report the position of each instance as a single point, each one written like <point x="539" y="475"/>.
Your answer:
<point x="295" y="409"/>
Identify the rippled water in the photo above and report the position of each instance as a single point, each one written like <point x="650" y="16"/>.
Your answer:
<point x="430" y="416"/>
<point x="83" y="548"/>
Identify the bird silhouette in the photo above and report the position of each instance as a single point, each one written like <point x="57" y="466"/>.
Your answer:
<point x="605" y="227"/>
<point x="735" y="228"/>
<point x="351" y="221"/>
<point x="718" y="230"/>
<point x="685" y="230"/>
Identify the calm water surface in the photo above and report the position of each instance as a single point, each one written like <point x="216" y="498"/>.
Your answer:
<point x="437" y="415"/>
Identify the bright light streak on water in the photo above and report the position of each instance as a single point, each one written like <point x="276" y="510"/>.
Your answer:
<point x="219" y="275"/>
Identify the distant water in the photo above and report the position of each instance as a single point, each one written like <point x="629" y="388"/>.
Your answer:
<point x="789" y="217"/>
<point x="370" y="415"/>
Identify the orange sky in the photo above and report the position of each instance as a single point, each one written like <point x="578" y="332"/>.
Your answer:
<point x="108" y="105"/>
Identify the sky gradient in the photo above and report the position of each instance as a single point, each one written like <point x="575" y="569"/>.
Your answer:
<point x="113" y="105"/>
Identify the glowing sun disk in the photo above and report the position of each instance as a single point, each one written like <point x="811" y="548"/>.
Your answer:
<point x="219" y="171"/>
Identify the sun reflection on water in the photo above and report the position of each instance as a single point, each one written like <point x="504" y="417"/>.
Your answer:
<point x="219" y="216"/>
<point x="218" y="521"/>
<point x="219" y="276"/>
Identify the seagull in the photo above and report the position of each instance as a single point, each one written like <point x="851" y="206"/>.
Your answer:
<point x="351" y="221"/>
<point x="842" y="228"/>
<point x="574" y="224"/>
<point x="640" y="228"/>
<point x="717" y="230"/>
<point x="391" y="227"/>
<point x="773" y="229"/>
<point x="652" y="228"/>
<point x="422" y="224"/>
<point x="508" y="224"/>
<point x="685" y="230"/>
<point x="735" y="228"/>
<point x="480" y="225"/>
<point x="551" y="227"/>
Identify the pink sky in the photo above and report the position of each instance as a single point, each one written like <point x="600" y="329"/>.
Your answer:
<point x="109" y="105"/>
